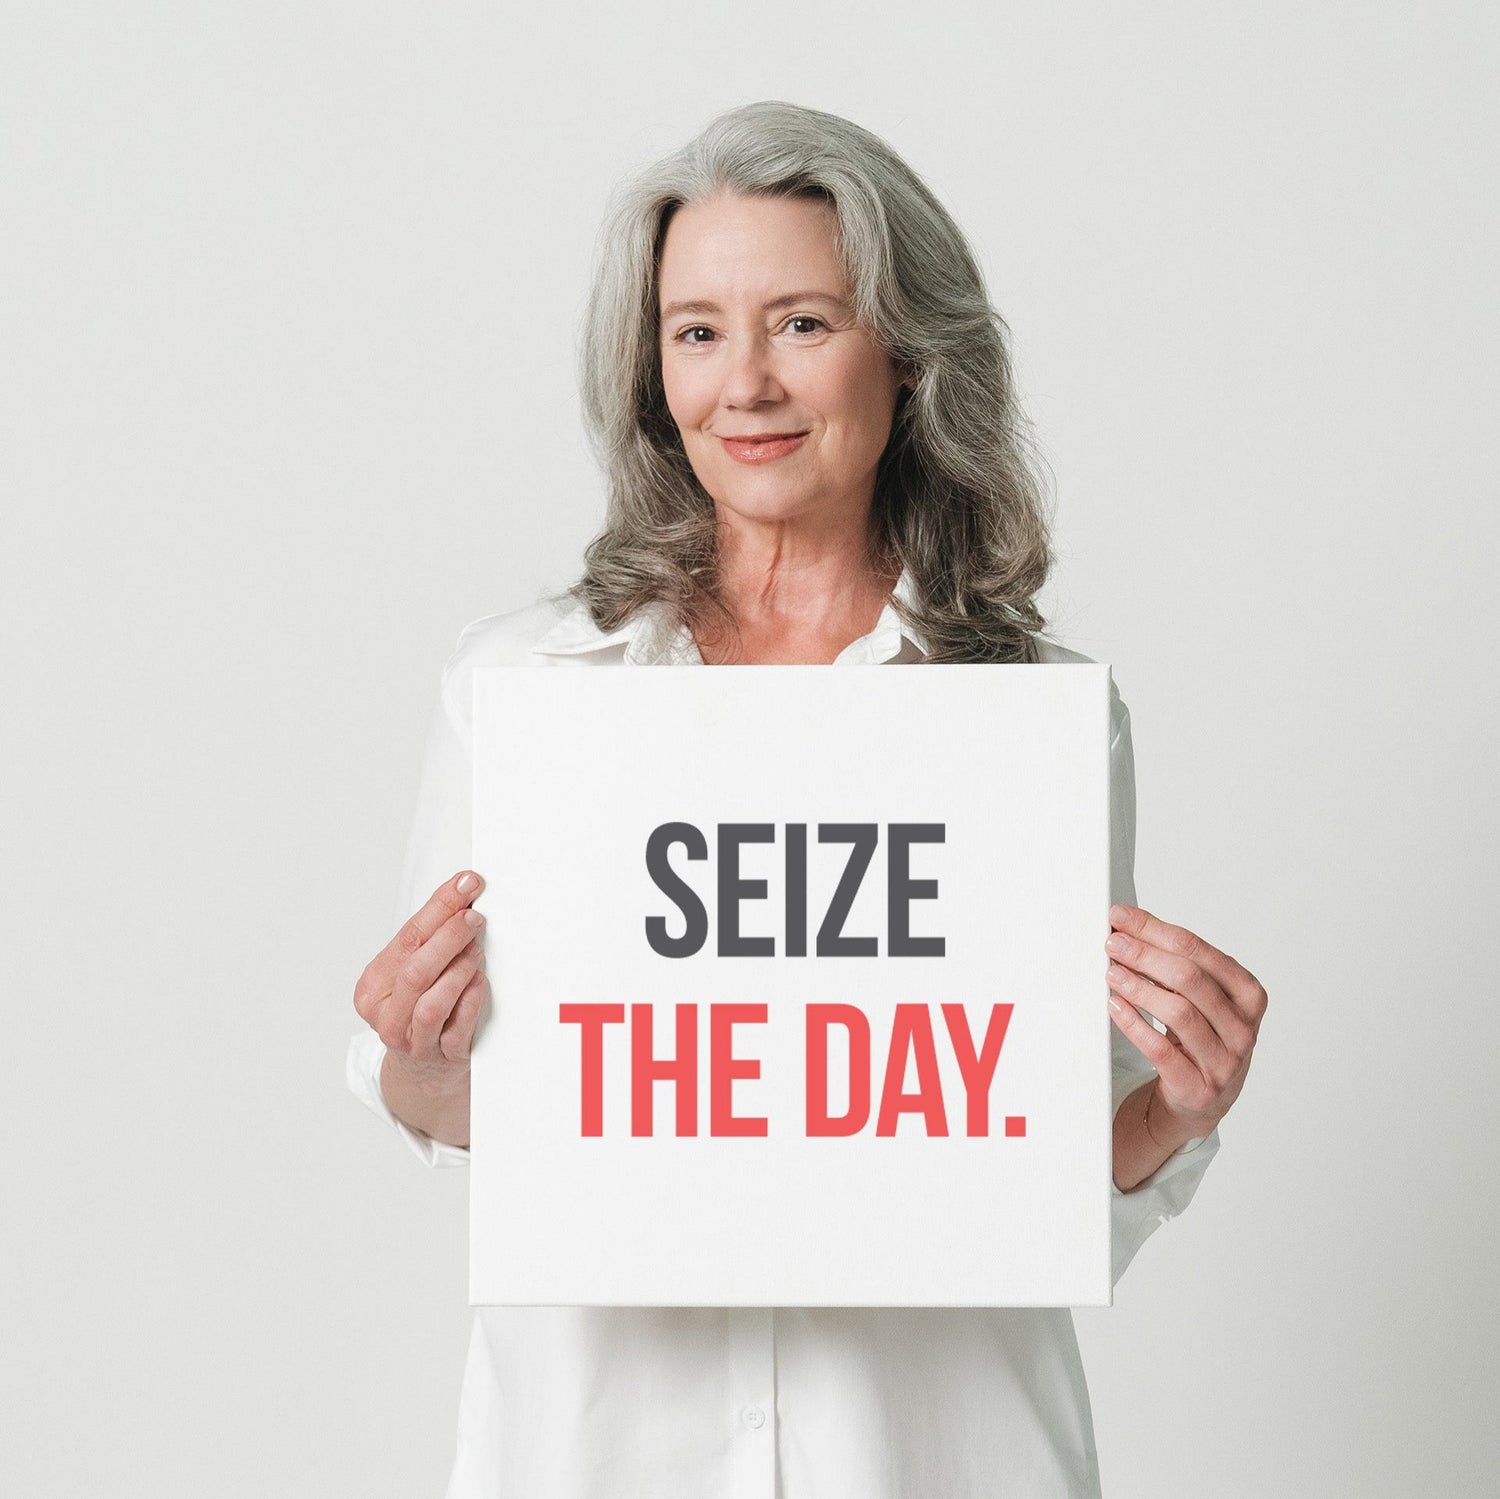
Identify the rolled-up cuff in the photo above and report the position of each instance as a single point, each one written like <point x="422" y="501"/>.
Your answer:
<point x="1137" y="1214"/>
<point x="362" y="1072"/>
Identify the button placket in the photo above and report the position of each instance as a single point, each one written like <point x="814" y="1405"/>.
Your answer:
<point x="752" y="1386"/>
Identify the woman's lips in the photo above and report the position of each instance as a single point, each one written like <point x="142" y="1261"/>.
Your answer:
<point x="761" y="449"/>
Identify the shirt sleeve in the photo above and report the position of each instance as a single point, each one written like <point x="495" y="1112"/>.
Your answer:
<point x="437" y="847"/>
<point x="1138" y="1213"/>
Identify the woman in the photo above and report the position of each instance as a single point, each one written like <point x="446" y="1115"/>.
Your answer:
<point x="803" y="402"/>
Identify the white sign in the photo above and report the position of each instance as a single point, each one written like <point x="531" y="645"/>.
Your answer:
<point x="798" y="986"/>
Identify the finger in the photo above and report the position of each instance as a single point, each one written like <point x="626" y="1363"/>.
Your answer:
<point x="382" y="999"/>
<point x="433" y="1008"/>
<point x="1189" y="1025"/>
<point x="458" y="1034"/>
<point x="1173" y="1065"/>
<point x="1239" y="986"/>
<point x="451" y="897"/>
<point x="1184" y="975"/>
<point x="422" y="970"/>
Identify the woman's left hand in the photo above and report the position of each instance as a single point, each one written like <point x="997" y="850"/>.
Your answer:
<point x="1211" y="1006"/>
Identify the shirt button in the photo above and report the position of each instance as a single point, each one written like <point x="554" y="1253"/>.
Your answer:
<point x="753" y="1417"/>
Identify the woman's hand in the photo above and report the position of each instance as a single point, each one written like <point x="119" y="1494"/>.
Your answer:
<point x="1212" y="1008"/>
<point x="422" y="994"/>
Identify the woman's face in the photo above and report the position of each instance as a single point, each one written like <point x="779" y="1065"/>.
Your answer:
<point x="759" y="341"/>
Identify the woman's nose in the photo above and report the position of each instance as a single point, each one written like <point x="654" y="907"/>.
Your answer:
<point x="750" y="373"/>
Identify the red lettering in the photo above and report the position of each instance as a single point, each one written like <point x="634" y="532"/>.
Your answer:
<point x="819" y="1018"/>
<point x="724" y="1067"/>
<point x="911" y="1035"/>
<point x="591" y="1020"/>
<point x="978" y="1071"/>
<point x="646" y="1070"/>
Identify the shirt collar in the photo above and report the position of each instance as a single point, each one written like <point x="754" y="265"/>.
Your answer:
<point x="650" y="639"/>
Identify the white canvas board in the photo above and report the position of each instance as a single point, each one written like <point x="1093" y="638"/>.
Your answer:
<point x="585" y="780"/>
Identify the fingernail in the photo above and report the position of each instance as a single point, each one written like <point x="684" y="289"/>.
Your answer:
<point x="1115" y="942"/>
<point x="1119" y="914"/>
<point x="474" y="918"/>
<point x="1114" y="1004"/>
<point x="1115" y="974"/>
<point x="468" y="883"/>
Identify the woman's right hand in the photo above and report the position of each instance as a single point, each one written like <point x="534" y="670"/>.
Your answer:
<point x="422" y="994"/>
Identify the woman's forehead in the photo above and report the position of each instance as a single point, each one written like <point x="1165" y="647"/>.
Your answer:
<point x="749" y="248"/>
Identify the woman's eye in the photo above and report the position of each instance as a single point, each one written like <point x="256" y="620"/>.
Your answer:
<point x="697" y="333"/>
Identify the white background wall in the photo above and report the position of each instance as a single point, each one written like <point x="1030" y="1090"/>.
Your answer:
<point x="287" y="314"/>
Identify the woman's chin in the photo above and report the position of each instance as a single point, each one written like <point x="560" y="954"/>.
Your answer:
<point x="765" y="509"/>
<point x="770" y="501"/>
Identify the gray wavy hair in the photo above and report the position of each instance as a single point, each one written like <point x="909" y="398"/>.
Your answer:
<point x="958" y="503"/>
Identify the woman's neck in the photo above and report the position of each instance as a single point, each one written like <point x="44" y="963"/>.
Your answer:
<point x="797" y="598"/>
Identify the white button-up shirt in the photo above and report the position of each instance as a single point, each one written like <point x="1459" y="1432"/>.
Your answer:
<point x="757" y="1402"/>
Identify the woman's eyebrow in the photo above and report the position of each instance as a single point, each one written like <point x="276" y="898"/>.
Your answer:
<point x="675" y="309"/>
